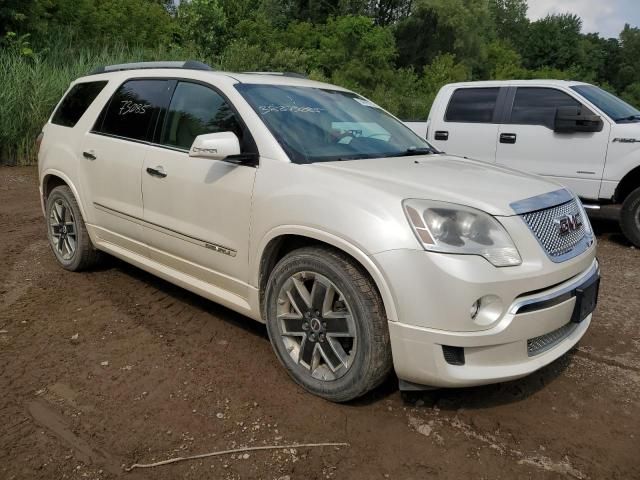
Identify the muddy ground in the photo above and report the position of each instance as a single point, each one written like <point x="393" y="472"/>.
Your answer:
<point x="111" y="367"/>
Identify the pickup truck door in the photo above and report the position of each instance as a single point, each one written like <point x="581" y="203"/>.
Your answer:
<point x="197" y="210"/>
<point x="527" y="141"/>
<point x="468" y="125"/>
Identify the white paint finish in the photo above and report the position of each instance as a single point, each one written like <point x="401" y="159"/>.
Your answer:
<point x="352" y="205"/>
<point x="576" y="160"/>
<point x="590" y="164"/>
<point x="208" y="200"/>
<point x="113" y="180"/>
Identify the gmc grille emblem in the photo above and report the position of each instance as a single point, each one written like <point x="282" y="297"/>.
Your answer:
<point x="568" y="223"/>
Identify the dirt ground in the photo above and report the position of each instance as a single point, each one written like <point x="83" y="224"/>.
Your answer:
<point x="103" y="369"/>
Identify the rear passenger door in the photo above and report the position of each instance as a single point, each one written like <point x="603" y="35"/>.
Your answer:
<point x="197" y="211"/>
<point x="112" y="157"/>
<point x="469" y="127"/>
<point x="527" y="141"/>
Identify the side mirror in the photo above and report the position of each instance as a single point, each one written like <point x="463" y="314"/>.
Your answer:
<point x="571" y="120"/>
<point x="216" y="146"/>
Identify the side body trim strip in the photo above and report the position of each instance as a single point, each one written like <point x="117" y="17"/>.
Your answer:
<point x="159" y="228"/>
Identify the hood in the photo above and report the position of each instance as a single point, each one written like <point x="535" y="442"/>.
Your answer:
<point x="446" y="178"/>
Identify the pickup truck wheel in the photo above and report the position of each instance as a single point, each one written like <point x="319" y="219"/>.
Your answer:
<point x="327" y="323"/>
<point x="68" y="236"/>
<point x="630" y="217"/>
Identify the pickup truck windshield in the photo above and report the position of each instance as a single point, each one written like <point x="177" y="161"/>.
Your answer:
<point x="618" y="110"/>
<point x="320" y="125"/>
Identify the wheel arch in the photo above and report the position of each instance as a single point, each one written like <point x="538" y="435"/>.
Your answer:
<point x="628" y="184"/>
<point x="283" y="240"/>
<point x="54" y="178"/>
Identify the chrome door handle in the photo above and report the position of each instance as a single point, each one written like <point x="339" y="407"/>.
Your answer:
<point x="89" y="155"/>
<point x="157" y="172"/>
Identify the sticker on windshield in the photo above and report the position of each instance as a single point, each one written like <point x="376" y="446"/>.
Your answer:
<point x="265" y="109"/>
<point x="365" y="102"/>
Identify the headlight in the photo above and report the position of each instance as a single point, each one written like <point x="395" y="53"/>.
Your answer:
<point x="585" y="219"/>
<point x="450" y="228"/>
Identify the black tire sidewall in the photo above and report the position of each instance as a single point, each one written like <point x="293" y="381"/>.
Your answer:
<point x="82" y="239"/>
<point x="354" y="382"/>
<point x="630" y="217"/>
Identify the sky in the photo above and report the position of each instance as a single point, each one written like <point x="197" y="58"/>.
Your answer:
<point x="604" y="16"/>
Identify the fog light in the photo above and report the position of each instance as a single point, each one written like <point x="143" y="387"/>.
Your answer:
<point x="475" y="308"/>
<point x="486" y="310"/>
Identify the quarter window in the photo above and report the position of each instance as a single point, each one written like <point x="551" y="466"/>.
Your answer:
<point x="537" y="106"/>
<point x="133" y="109"/>
<point x="196" y="110"/>
<point x="76" y="102"/>
<point x="472" y="105"/>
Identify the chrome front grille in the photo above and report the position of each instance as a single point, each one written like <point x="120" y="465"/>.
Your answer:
<point x="545" y="225"/>
<point x="538" y="345"/>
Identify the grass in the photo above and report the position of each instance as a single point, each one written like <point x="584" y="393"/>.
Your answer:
<point x="31" y="86"/>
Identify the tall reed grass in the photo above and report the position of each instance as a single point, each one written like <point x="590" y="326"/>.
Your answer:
<point x="30" y="87"/>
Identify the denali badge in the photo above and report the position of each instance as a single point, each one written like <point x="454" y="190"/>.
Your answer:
<point x="568" y="223"/>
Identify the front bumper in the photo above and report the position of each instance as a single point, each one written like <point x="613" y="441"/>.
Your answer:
<point x="514" y="346"/>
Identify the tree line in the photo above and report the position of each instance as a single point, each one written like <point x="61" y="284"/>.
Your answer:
<point x="396" y="52"/>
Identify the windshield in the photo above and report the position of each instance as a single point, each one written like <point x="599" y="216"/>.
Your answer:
<point x="319" y="125"/>
<point x="615" y="108"/>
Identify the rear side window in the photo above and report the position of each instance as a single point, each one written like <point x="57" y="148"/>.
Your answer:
<point x="472" y="105"/>
<point x="133" y="109"/>
<point x="537" y="106"/>
<point x="76" y="102"/>
<point x="196" y="110"/>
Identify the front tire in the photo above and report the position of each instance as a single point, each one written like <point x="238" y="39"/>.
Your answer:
<point x="630" y="217"/>
<point x="67" y="232"/>
<point x="327" y="323"/>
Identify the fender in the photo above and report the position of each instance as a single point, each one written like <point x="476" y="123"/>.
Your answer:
<point x="57" y="173"/>
<point x="340" y="243"/>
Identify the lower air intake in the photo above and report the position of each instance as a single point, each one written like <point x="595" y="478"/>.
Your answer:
<point x="453" y="355"/>
<point x="538" y="345"/>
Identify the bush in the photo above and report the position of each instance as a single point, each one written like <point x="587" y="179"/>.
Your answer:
<point x="33" y="84"/>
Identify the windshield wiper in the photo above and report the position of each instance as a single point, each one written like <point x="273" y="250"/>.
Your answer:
<point x="417" y="151"/>
<point x="630" y="118"/>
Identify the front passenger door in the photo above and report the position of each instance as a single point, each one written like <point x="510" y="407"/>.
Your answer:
<point x="197" y="210"/>
<point x="527" y="141"/>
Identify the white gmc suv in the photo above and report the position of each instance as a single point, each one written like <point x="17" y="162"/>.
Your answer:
<point x="571" y="132"/>
<point x="306" y="206"/>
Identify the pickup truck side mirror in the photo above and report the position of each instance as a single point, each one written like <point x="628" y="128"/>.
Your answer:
<point x="216" y="146"/>
<point x="571" y="120"/>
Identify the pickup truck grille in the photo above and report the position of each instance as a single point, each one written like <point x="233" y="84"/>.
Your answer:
<point x="559" y="229"/>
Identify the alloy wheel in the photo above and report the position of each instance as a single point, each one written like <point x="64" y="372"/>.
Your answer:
<point x="316" y="325"/>
<point x="62" y="225"/>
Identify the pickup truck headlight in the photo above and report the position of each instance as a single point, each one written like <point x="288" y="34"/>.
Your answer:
<point x="450" y="228"/>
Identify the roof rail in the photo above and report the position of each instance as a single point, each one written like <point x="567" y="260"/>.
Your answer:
<point x="189" y="65"/>
<point x="282" y="74"/>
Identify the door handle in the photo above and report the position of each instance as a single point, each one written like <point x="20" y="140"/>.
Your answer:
<point x="157" y="172"/>
<point x="442" y="135"/>
<point x="508" y="138"/>
<point x="89" y="155"/>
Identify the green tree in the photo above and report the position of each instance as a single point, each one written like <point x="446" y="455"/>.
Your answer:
<point x="629" y="71"/>
<point x="510" y="19"/>
<point x="460" y="27"/>
<point x="554" y="41"/>
<point x="354" y="52"/>
<point x="203" y="24"/>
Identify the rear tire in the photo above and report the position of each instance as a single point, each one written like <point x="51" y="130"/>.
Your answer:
<point x="327" y="323"/>
<point x="630" y="217"/>
<point x="67" y="232"/>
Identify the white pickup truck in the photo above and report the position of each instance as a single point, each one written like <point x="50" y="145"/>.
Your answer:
<point x="571" y="132"/>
